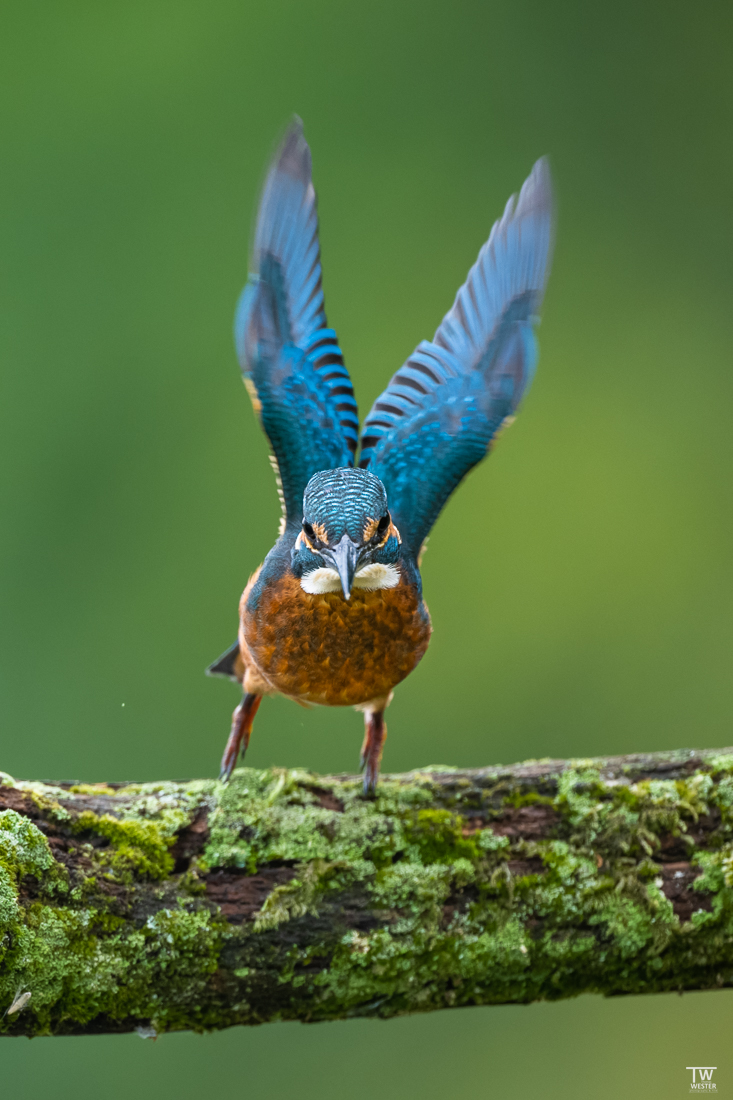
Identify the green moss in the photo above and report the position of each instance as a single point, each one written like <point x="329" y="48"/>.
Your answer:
<point x="262" y="817"/>
<point x="369" y="973"/>
<point x="80" y="966"/>
<point x="138" y="847"/>
<point x="23" y="847"/>
<point x="518" y="798"/>
<point x="596" y="901"/>
<point x="437" y="837"/>
<point x="80" y="961"/>
<point x="490" y="842"/>
<point x="24" y="850"/>
<point x="92" y="788"/>
<point x="395" y="904"/>
<point x="299" y="896"/>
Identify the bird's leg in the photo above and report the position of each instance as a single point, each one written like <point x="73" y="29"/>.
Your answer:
<point x="375" y="732"/>
<point x="242" y="720"/>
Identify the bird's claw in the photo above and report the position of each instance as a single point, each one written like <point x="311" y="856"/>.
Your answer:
<point x="369" y="785"/>
<point x="238" y="740"/>
<point x="371" y="751"/>
<point x="231" y="754"/>
<point x="228" y="765"/>
<point x="371" y="773"/>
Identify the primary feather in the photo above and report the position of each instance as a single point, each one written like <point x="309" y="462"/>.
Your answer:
<point x="290" y="359"/>
<point x="442" y="409"/>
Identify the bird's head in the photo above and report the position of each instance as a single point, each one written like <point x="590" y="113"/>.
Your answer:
<point x="347" y="540"/>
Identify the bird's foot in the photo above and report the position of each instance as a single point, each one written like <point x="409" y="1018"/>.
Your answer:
<point x="371" y="750"/>
<point x="230" y="757"/>
<point x="239" y="735"/>
<point x="371" y="777"/>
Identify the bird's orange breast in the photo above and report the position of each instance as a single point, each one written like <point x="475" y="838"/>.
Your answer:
<point x="325" y="649"/>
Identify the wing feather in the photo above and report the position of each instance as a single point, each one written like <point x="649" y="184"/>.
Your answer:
<point x="290" y="358"/>
<point x="445" y="405"/>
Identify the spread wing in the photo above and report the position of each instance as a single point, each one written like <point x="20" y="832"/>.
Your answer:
<point x="290" y="359"/>
<point x="441" y="411"/>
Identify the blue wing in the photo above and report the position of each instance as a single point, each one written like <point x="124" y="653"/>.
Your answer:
<point x="441" y="411"/>
<point x="290" y="359"/>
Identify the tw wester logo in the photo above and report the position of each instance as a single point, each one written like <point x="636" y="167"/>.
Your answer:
<point x="702" y="1078"/>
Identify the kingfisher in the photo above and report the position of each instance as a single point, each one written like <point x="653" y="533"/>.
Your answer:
<point x="335" y="615"/>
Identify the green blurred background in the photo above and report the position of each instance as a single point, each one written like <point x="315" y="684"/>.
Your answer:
<point x="580" y="582"/>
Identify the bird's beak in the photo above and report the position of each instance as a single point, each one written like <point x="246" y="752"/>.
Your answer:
<point x="344" y="557"/>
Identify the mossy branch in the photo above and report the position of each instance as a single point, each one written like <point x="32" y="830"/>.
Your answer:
<point x="287" y="895"/>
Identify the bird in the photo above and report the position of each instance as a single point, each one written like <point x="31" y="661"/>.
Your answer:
<point x="335" y="615"/>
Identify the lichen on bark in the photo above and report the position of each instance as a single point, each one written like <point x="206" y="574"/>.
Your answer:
<point x="287" y="895"/>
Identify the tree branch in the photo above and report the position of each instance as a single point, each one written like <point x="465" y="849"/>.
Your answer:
<point x="286" y="895"/>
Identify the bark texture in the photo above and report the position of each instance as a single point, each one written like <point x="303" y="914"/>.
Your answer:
<point x="287" y="895"/>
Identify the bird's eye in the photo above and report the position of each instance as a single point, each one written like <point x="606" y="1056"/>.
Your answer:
<point x="308" y="530"/>
<point x="383" y="524"/>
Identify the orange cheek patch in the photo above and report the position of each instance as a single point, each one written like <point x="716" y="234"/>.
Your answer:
<point x="370" y="529"/>
<point x="302" y="540"/>
<point x="320" y="532"/>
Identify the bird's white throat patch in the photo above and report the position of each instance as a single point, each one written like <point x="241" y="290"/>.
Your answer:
<point x="369" y="578"/>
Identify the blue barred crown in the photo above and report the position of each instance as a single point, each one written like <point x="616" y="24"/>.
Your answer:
<point x="342" y="501"/>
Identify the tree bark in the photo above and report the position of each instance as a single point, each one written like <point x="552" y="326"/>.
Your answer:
<point x="287" y="895"/>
